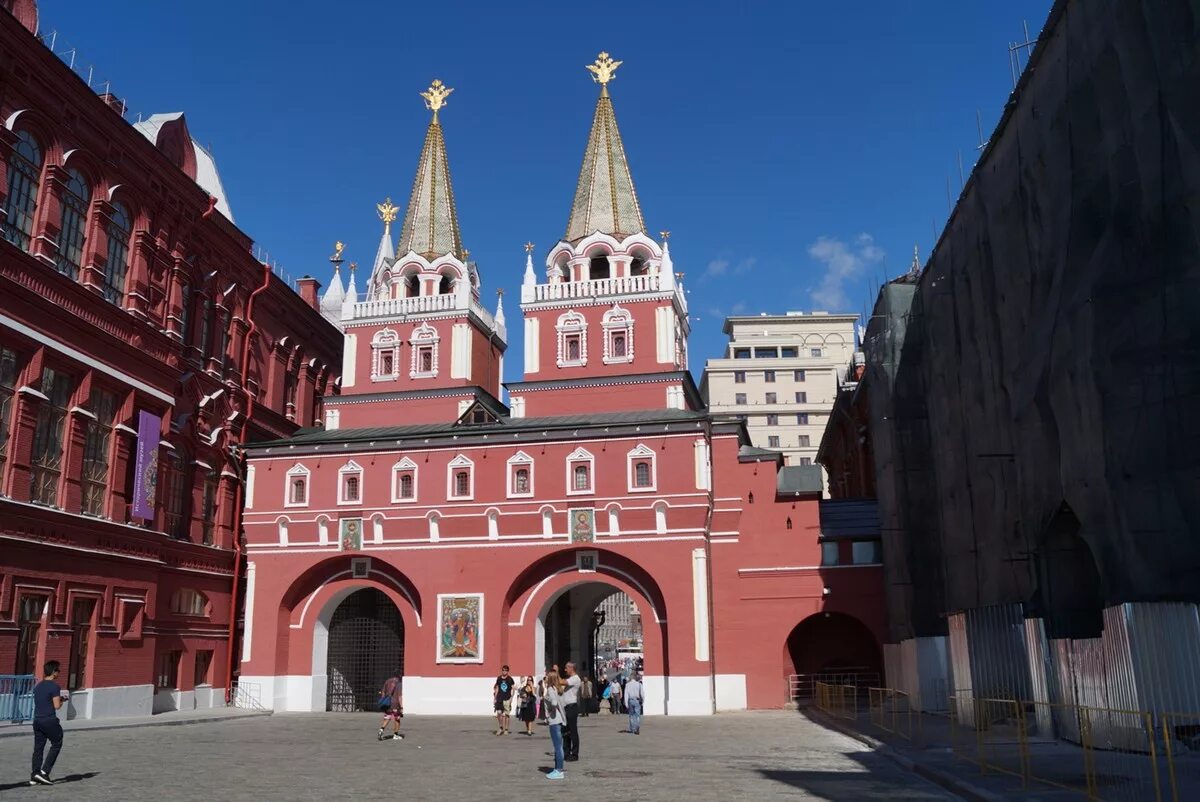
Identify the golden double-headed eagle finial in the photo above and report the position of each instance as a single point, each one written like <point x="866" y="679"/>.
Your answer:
<point x="387" y="211"/>
<point x="338" y="247"/>
<point x="435" y="96"/>
<point x="602" y="70"/>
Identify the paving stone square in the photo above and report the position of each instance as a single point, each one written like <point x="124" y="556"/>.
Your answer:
<point x="742" y="756"/>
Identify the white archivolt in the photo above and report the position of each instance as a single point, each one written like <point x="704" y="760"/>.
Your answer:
<point x="342" y="594"/>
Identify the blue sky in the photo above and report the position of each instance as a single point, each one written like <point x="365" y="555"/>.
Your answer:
<point x="796" y="151"/>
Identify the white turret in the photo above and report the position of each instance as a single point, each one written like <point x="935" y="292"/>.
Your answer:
<point x="331" y="301"/>
<point x="351" y="295"/>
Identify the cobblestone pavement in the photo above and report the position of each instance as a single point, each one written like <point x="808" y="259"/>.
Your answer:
<point x="743" y="756"/>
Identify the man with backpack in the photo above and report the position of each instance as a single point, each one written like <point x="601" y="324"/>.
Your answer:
<point x="391" y="704"/>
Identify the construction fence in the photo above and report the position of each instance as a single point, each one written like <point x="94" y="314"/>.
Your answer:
<point x="1100" y="753"/>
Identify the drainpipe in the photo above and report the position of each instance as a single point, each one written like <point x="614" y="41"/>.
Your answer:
<point x="708" y="553"/>
<point x="240" y="494"/>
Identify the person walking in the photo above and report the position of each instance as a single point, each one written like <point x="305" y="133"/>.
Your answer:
<point x="634" y="698"/>
<point x="47" y="699"/>
<point x="391" y="702"/>
<point x="502" y="693"/>
<point x="570" y="699"/>
<point x="614" y="696"/>
<point x="554" y="707"/>
<point x="585" y="696"/>
<point x="529" y="700"/>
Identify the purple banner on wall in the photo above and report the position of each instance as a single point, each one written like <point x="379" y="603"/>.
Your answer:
<point x="145" y="469"/>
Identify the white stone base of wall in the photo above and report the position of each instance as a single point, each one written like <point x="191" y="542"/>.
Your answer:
<point x="472" y="696"/>
<point x="120" y="701"/>
<point x="731" y="692"/>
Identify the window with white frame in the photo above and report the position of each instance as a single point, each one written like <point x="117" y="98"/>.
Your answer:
<point x="404" y="481"/>
<point x="640" y="467"/>
<point x="460" y="478"/>
<point x="424" y="347"/>
<point x="618" y="335"/>
<point x="297" y="486"/>
<point x="385" y="356"/>
<point x="350" y="478"/>
<point x="520" y="475"/>
<point x="572" y="340"/>
<point x="580" y="472"/>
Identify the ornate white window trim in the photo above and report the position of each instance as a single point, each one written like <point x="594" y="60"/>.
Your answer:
<point x="641" y="454"/>
<point x="405" y="467"/>
<point x="458" y="464"/>
<point x="570" y="325"/>
<point x="617" y="321"/>
<point x="581" y="457"/>
<point x="347" y="471"/>
<point x="385" y="345"/>
<point x="424" y="339"/>
<point x="297" y="471"/>
<point x="518" y="461"/>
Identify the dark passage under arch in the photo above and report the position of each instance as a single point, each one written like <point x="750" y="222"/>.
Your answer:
<point x="366" y="646"/>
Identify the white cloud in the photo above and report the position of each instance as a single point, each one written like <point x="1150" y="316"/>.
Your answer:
<point x="843" y="263"/>
<point x="746" y="265"/>
<point x="716" y="267"/>
<point x="738" y="308"/>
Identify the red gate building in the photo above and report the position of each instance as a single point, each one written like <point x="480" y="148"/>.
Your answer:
<point x="430" y="530"/>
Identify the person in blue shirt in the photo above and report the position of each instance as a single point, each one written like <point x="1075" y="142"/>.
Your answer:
<point x="47" y="699"/>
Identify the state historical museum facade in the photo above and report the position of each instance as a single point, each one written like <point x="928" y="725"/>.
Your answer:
<point x="430" y="530"/>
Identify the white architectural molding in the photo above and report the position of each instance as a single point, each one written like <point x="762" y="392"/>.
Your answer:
<point x="532" y="344"/>
<point x="664" y="322"/>
<point x="700" y="602"/>
<point x="425" y="339"/>
<point x="351" y="468"/>
<point x="385" y="346"/>
<point x="643" y="455"/>
<point x="617" y="323"/>
<point x="460" y="351"/>
<point x="572" y="326"/>
<point x="460" y="463"/>
<point x="523" y="461"/>
<point x="349" y="358"/>
<point x="298" y="471"/>
<point x="581" y="456"/>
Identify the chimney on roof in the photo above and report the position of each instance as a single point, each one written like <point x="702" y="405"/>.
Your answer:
<point x="308" y="287"/>
<point x="113" y="102"/>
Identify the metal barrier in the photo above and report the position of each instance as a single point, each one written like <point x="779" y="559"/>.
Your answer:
<point x="837" y="700"/>
<point x="246" y="695"/>
<point x="803" y="686"/>
<point x="16" y="697"/>
<point x="893" y="711"/>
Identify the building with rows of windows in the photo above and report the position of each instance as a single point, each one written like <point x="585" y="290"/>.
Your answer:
<point x="140" y="345"/>
<point x="430" y="530"/>
<point x="780" y="374"/>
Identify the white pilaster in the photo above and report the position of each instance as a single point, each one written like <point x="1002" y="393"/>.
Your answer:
<point x="700" y="453"/>
<point x="664" y="318"/>
<point x="460" y="351"/>
<point x="532" y="344"/>
<point x="248" y="629"/>
<point x="700" y="602"/>
<point x="349" y="359"/>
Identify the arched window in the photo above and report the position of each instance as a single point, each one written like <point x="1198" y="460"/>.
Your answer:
<point x="120" y="228"/>
<point x="445" y="286"/>
<point x="385" y="356"/>
<point x="641" y="474"/>
<point x="412" y="286"/>
<point x="520" y="475"/>
<point x="24" y="172"/>
<point x="186" y="601"/>
<point x="583" y="478"/>
<point x="404" y="480"/>
<point x="618" y="335"/>
<point x="638" y="267"/>
<point x="580" y="464"/>
<point x="641" y="469"/>
<point x="73" y="224"/>
<point x="460" y="481"/>
<point x="572" y="339"/>
<point x="424" y="347"/>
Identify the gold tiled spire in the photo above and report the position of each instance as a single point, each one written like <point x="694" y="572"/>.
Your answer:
<point x="605" y="200"/>
<point x="431" y="222"/>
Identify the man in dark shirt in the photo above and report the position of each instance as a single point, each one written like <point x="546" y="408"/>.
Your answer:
<point x="47" y="699"/>
<point x="502" y="692"/>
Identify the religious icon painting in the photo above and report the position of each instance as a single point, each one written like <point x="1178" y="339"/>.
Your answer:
<point x="351" y="534"/>
<point x="583" y="524"/>
<point x="460" y="628"/>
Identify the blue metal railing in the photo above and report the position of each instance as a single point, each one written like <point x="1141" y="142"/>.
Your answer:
<point x="16" y="697"/>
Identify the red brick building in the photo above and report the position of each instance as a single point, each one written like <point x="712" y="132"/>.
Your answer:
<point x="133" y="320"/>
<point x="430" y="530"/>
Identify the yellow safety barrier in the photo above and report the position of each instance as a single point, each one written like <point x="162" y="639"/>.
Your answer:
<point x="837" y="700"/>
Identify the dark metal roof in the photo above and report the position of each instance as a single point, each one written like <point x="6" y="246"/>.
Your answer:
<point x="749" y="453"/>
<point x="793" y="479"/>
<point x="316" y="436"/>
<point x="849" y="518"/>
